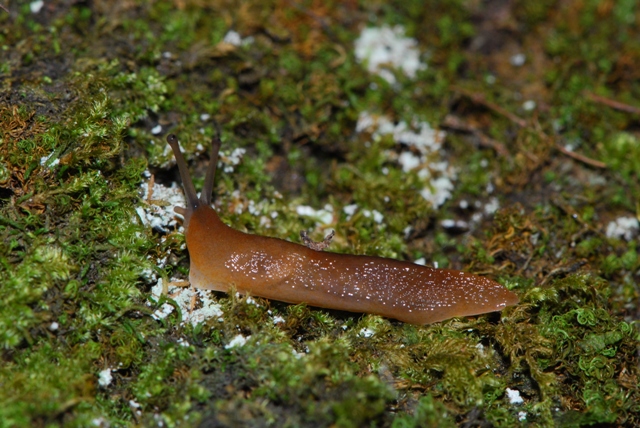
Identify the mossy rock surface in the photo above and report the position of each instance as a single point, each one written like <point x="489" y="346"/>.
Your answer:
<point x="506" y="144"/>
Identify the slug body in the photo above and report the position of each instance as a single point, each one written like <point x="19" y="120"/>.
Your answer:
<point x="222" y="257"/>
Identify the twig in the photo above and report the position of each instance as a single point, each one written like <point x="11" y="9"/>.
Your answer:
<point x="150" y="188"/>
<point x="612" y="103"/>
<point x="563" y="270"/>
<point x="482" y="100"/>
<point x="457" y="124"/>
<point x="526" y="263"/>
<point x="479" y="98"/>
<point x="581" y="158"/>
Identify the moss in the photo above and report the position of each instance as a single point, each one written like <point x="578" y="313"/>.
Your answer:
<point x="428" y="413"/>
<point x="36" y="392"/>
<point x="84" y="90"/>
<point x="621" y="153"/>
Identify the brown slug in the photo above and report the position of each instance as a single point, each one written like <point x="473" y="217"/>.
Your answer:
<point x="222" y="258"/>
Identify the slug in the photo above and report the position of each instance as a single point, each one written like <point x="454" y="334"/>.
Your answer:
<point x="222" y="257"/>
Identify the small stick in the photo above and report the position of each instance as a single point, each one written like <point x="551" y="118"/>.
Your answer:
<point x="482" y="100"/>
<point x="563" y="270"/>
<point x="150" y="188"/>
<point x="526" y="264"/>
<point x="581" y="158"/>
<point x="612" y="103"/>
<point x="457" y="124"/>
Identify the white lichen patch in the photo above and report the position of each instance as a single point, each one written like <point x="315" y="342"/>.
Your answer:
<point x="322" y="215"/>
<point x="514" y="397"/>
<point x="421" y="152"/>
<point x="206" y="308"/>
<point x="417" y="134"/>
<point x="387" y="47"/>
<point x="237" y="341"/>
<point x="234" y="38"/>
<point x="366" y="332"/>
<point x="623" y="228"/>
<point x="492" y="206"/>
<point x="49" y="161"/>
<point x="36" y="6"/>
<point x="156" y="209"/>
<point x="375" y="214"/>
<point x="350" y="210"/>
<point x="251" y="301"/>
<point x="232" y="159"/>
<point x="105" y="378"/>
